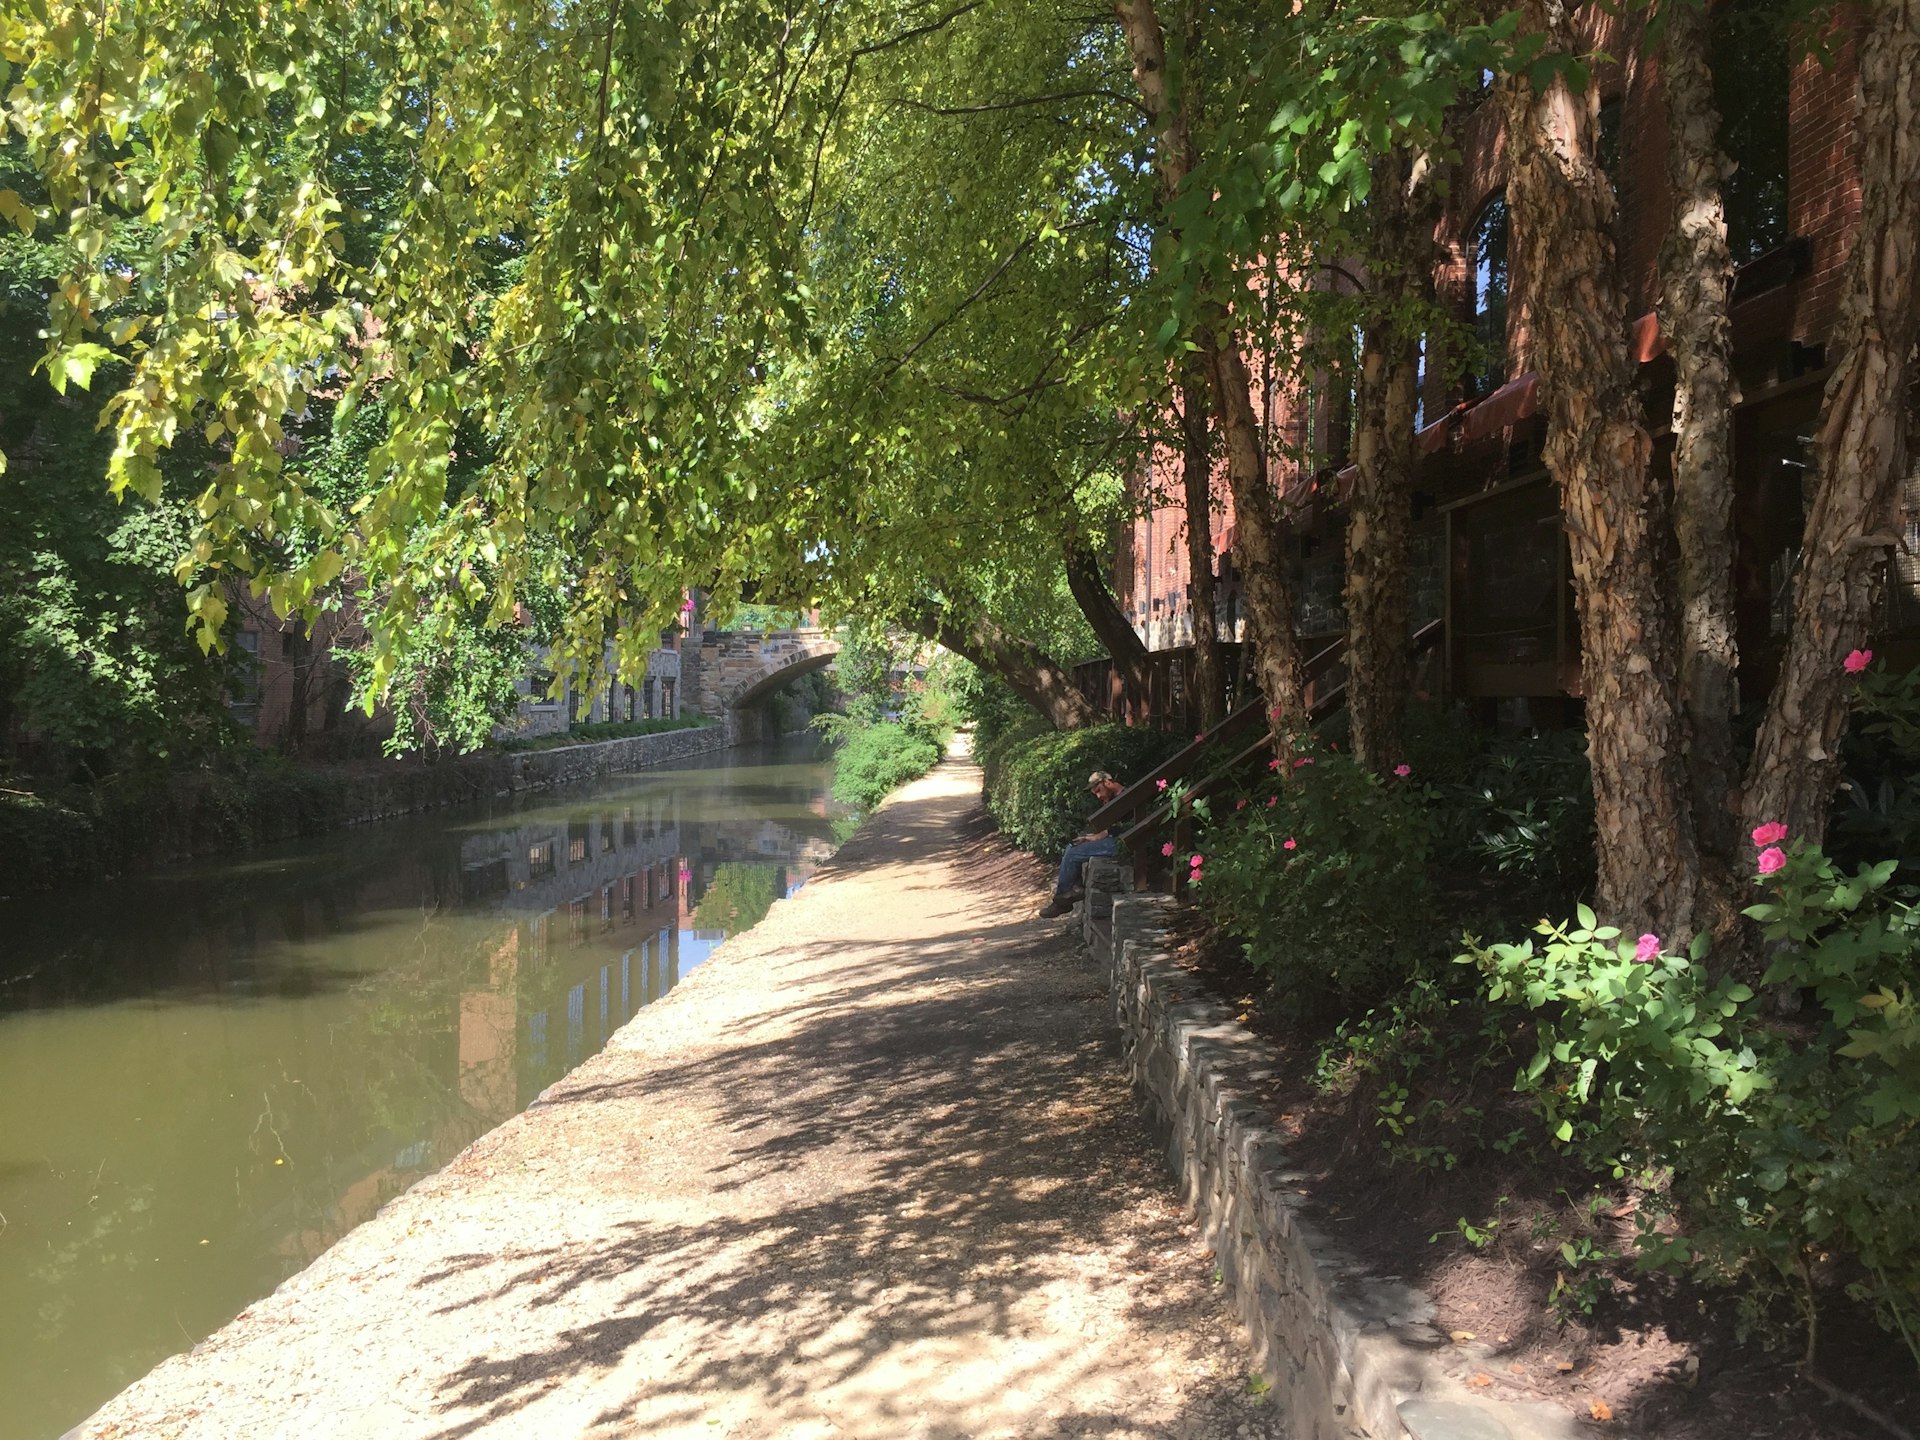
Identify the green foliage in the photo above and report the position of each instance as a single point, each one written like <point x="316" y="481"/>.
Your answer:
<point x="1526" y="809"/>
<point x="452" y="681"/>
<point x="1878" y="813"/>
<point x="991" y="707"/>
<point x="607" y="730"/>
<point x="1764" y="1148"/>
<point x="738" y="898"/>
<point x="876" y="760"/>
<point x="1036" y="786"/>
<point x="1322" y="875"/>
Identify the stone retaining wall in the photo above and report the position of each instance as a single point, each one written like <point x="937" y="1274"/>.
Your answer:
<point x="1350" y="1355"/>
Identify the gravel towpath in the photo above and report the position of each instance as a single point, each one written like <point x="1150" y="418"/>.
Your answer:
<point x="872" y="1170"/>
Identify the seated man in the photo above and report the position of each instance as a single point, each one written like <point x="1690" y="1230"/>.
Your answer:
<point x="1084" y="847"/>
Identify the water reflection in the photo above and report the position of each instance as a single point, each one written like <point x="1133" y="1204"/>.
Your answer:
<point x="207" y="1078"/>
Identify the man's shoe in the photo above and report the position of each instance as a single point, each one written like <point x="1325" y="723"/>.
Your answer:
<point x="1060" y="906"/>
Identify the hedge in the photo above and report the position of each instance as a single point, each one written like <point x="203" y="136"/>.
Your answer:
<point x="1036" y="785"/>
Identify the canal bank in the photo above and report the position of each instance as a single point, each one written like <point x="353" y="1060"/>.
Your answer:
<point x="873" y="1170"/>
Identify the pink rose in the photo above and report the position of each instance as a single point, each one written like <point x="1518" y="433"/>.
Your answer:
<point x="1771" y="859"/>
<point x="1160" y="784"/>
<point x="1167" y="849"/>
<point x="1648" y="947"/>
<point x="1194" y="863"/>
<point x="1274" y="764"/>
<point x="1239" y="804"/>
<point x="1857" y="661"/>
<point x="1303" y="760"/>
<point x="1274" y="714"/>
<point x="1272" y="800"/>
<point x="1200" y="739"/>
<point x="1771" y="833"/>
<point x="1403" y="771"/>
<point x="1289" y="843"/>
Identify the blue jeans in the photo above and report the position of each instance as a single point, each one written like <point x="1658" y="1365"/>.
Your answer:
<point x="1077" y="855"/>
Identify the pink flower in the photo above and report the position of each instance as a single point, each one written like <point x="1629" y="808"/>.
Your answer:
<point x="1200" y="739"/>
<point x="1272" y="800"/>
<point x="1194" y="863"/>
<point x="1771" y="833"/>
<point x="1303" y="760"/>
<point x="1403" y="771"/>
<point x="1274" y="714"/>
<point x="1239" y="804"/>
<point x="1289" y="843"/>
<point x="1274" y="764"/>
<point x="1167" y="849"/>
<point x="1771" y="859"/>
<point x="1160" y="784"/>
<point x="1648" y="947"/>
<point x="1857" y="661"/>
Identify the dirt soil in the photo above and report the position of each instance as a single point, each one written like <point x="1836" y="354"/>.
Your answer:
<point x="1654" y="1359"/>
<point x="872" y="1170"/>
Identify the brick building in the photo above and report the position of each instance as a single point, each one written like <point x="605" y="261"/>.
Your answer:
<point x="1490" y="555"/>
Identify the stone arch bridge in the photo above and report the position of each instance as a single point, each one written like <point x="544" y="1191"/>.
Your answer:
<point x="730" y="672"/>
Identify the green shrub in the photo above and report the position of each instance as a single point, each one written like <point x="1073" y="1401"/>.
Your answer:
<point x="990" y="706"/>
<point x="1036" y="785"/>
<point x="876" y="760"/>
<point x="1762" y="1148"/>
<point x="1322" y="875"/>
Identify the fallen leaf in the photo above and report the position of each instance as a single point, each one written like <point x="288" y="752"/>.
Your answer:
<point x="1460" y="1337"/>
<point x="1480" y="1382"/>
<point x="1600" y="1410"/>
<point x="1565" y="1367"/>
<point x="1518" y="1369"/>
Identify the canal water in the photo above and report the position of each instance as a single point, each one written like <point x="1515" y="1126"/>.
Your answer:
<point x="208" y="1076"/>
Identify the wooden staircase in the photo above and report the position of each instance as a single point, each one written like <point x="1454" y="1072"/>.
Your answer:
<point x="1138" y="814"/>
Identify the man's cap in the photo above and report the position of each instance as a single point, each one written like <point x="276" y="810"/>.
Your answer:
<point x="1097" y="777"/>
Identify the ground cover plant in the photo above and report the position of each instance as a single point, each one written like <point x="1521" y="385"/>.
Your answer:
<point x="606" y="730"/>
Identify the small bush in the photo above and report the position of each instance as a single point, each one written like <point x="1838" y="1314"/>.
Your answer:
<point x="1762" y="1149"/>
<point x="1036" y="786"/>
<point x="1322" y="875"/>
<point x="876" y="760"/>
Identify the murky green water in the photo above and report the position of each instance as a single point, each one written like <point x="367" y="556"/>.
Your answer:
<point x="208" y="1077"/>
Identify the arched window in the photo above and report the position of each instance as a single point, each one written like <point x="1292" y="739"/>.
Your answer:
<point x="1487" y="265"/>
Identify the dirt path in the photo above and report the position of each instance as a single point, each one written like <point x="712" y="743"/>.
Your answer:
<point x="870" y="1171"/>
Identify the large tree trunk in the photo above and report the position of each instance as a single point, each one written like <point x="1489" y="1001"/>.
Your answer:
<point x="1025" y="667"/>
<point x="1256" y="517"/>
<point x="1859" y="449"/>
<point x="1196" y="478"/>
<point x="1598" y="449"/>
<point x="1380" y="504"/>
<point x="1088" y="583"/>
<point x="1696" y="282"/>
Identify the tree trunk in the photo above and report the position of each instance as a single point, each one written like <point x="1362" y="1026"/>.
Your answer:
<point x="1598" y="449"/>
<point x="1696" y="281"/>
<point x="1380" y="504"/>
<point x="1257" y="530"/>
<point x="1094" y="596"/>
<point x="1196" y="477"/>
<point x="1025" y="667"/>
<point x="1859" y="448"/>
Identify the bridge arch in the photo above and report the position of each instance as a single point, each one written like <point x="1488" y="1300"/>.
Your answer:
<point x="741" y="667"/>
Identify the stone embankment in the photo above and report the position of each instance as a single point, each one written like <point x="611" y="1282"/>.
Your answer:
<point x="872" y="1170"/>
<point x="1349" y="1353"/>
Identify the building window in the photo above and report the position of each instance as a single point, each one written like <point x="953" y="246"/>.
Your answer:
<point x="666" y="698"/>
<point x="1487" y="264"/>
<point x="540" y="860"/>
<point x="246" y="676"/>
<point x="1751" y="84"/>
<point x="577" y="703"/>
<point x="629" y="690"/>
